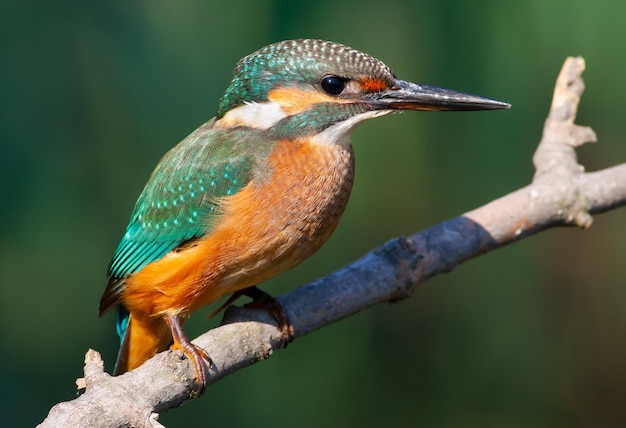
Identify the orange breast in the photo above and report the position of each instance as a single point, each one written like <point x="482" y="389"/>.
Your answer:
<point x="279" y="219"/>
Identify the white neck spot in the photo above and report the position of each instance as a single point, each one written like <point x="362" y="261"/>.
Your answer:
<point x="254" y="115"/>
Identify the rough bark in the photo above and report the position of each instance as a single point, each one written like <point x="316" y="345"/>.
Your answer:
<point x="561" y="194"/>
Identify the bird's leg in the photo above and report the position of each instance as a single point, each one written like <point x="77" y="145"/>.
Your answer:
<point x="237" y="294"/>
<point x="263" y="300"/>
<point x="197" y="355"/>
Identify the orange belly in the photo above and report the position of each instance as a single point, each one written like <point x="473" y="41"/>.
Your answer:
<point x="279" y="219"/>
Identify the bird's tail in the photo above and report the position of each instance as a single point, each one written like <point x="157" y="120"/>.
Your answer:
<point x="141" y="338"/>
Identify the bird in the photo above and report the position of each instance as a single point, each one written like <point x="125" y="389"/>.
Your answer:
<point x="252" y="192"/>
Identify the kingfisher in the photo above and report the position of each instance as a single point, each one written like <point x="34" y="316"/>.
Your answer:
<point x="252" y="192"/>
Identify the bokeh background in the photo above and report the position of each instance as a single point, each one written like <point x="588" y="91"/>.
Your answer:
<point x="92" y="94"/>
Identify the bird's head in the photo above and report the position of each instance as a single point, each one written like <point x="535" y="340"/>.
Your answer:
<point x="303" y="87"/>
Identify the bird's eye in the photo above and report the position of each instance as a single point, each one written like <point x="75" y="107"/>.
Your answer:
<point x="333" y="85"/>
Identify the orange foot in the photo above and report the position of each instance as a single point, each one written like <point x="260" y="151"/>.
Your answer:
<point x="197" y="355"/>
<point x="263" y="300"/>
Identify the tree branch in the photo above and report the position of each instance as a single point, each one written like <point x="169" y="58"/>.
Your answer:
<point x="561" y="194"/>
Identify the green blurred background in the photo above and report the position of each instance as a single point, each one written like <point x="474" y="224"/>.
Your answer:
<point x="92" y="94"/>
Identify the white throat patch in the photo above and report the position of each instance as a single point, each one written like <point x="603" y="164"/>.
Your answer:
<point x="339" y="133"/>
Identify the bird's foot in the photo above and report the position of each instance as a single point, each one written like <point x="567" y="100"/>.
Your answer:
<point x="198" y="356"/>
<point x="263" y="300"/>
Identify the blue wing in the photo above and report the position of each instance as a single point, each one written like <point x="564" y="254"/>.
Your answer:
<point x="180" y="203"/>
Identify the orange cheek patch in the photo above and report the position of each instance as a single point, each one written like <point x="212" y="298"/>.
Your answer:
<point x="293" y="100"/>
<point x="372" y="85"/>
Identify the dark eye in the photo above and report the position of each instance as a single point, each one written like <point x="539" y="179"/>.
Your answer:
<point x="333" y="85"/>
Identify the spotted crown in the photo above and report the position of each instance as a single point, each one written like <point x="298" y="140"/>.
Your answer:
<point x="302" y="61"/>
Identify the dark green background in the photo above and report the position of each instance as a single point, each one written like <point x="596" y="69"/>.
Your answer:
<point x="93" y="93"/>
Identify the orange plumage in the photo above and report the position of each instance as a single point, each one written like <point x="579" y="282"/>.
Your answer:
<point x="269" y="226"/>
<point x="373" y="84"/>
<point x="254" y="191"/>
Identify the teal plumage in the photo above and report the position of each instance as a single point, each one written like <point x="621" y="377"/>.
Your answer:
<point x="181" y="200"/>
<point x="252" y="192"/>
<point x="295" y="62"/>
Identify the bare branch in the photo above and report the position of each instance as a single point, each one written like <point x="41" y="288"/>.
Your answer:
<point x="560" y="194"/>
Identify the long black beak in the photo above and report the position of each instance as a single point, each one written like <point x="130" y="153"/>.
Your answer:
<point x="405" y="95"/>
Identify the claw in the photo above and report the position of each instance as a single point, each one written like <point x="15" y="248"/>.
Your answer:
<point x="198" y="356"/>
<point x="263" y="300"/>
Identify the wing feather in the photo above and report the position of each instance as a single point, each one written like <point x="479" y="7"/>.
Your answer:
<point x="180" y="202"/>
